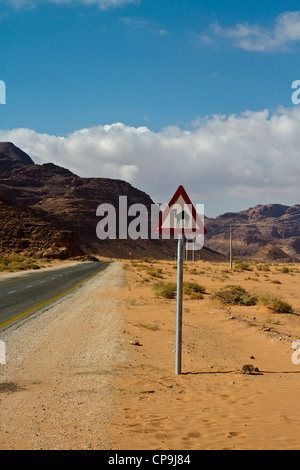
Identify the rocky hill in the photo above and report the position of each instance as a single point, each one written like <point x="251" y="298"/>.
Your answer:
<point x="272" y="224"/>
<point x="25" y="232"/>
<point x="270" y="252"/>
<point x="72" y="201"/>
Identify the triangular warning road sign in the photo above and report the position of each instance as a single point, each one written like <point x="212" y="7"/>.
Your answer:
<point x="180" y="216"/>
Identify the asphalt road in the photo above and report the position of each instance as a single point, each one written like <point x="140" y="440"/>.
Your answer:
<point x="25" y="294"/>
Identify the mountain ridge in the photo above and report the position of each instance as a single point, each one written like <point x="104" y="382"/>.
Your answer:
<point x="253" y="228"/>
<point x="71" y="201"/>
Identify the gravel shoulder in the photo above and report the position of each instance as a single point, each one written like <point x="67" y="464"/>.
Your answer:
<point x="56" y="389"/>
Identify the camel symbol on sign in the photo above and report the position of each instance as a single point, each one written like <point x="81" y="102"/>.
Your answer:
<point x="181" y="217"/>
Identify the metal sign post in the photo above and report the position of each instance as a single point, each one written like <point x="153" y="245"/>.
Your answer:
<point x="179" y="304"/>
<point x="180" y="218"/>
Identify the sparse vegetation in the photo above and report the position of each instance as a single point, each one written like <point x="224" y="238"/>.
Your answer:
<point x="196" y="296"/>
<point x="166" y="290"/>
<point x="274" y="303"/>
<point x="235" y="287"/>
<point x="192" y="288"/>
<point x="154" y="272"/>
<point x="15" y="262"/>
<point x="193" y="271"/>
<point x="242" y="266"/>
<point x="235" y="295"/>
<point x="263" y="267"/>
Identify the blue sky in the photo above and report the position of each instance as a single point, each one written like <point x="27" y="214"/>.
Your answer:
<point x="177" y="76"/>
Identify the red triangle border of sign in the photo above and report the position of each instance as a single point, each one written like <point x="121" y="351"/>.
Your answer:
<point x="180" y="192"/>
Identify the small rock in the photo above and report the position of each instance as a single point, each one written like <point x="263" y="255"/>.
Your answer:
<point x="249" y="369"/>
<point x="135" y="342"/>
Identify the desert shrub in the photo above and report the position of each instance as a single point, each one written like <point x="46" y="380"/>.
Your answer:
<point x="241" y="265"/>
<point x="196" y="296"/>
<point x="235" y="287"/>
<point x="154" y="272"/>
<point x="193" y="271"/>
<point x="190" y="288"/>
<point x="263" y="267"/>
<point x="277" y="304"/>
<point x="147" y="260"/>
<point x="235" y="295"/>
<point x="15" y="258"/>
<point x="17" y="262"/>
<point x="285" y="270"/>
<point x="166" y="290"/>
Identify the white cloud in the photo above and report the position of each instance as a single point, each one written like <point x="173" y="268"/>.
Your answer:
<point x="285" y="31"/>
<point x="254" y="156"/>
<point x="102" y="4"/>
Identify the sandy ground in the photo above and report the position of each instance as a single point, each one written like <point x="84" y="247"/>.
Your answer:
<point x="73" y="380"/>
<point x="211" y="405"/>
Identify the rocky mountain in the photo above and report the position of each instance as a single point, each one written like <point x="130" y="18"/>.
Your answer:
<point x="66" y="203"/>
<point x="28" y="233"/>
<point x="275" y="225"/>
<point x="10" y="156"/>
<point x="71" y="203"/>
<point x="270" y="252"/>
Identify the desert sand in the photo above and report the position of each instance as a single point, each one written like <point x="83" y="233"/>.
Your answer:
<point x="211" y="405"/>
<point x="97" y="369"/>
